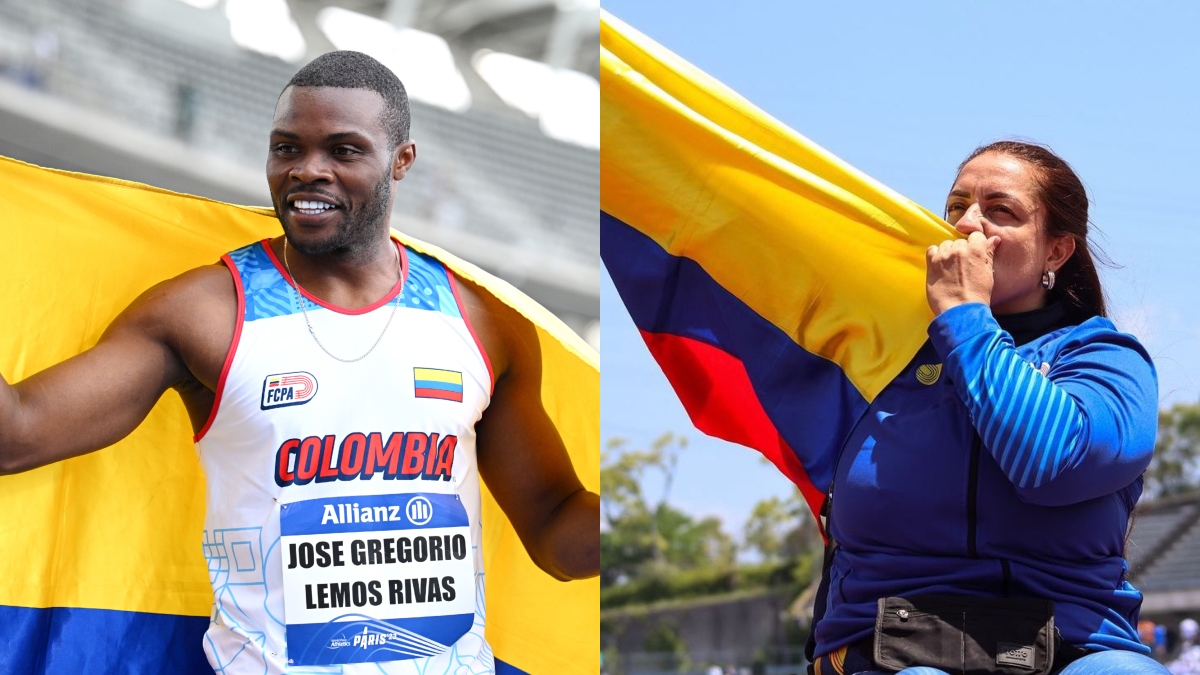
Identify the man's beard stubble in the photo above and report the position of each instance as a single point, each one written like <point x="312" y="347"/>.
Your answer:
<point x="356" y="233"/>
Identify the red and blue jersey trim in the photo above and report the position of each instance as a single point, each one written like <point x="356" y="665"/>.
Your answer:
<point x="269" y="292"/>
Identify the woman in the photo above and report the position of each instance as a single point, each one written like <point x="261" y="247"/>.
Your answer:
<point x="997" y="473"/>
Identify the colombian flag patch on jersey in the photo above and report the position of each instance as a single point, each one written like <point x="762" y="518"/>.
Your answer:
<point x="434" y="383"/>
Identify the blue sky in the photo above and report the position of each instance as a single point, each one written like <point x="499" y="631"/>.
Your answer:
<point x="903" y="91"/>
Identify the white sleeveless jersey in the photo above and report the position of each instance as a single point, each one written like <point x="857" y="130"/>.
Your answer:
<point x="342" y="530"/>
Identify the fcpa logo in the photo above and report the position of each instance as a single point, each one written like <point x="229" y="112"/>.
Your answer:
<point x="284" y="389"/>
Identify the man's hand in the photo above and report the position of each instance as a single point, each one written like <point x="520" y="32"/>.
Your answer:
<point x="959" y="271"/>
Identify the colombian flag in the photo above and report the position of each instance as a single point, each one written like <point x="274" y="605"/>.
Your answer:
<point x="435" y="383"/>
<point x="778" y="288"/>
<point x="101" y="568"/>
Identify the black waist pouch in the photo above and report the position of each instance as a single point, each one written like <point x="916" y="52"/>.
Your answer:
<point x="966" y="636"/>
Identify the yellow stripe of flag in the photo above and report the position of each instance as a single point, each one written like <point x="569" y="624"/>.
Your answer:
<point x="437" y="375"/>
<point x="825" y="253"/>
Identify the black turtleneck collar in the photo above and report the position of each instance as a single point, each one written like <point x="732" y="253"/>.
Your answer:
<point x="1028" y="326"/>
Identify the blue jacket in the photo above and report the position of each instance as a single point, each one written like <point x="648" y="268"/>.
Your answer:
<point x="992" y="469"/>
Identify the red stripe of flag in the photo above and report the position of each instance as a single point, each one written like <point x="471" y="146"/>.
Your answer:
<point x="439" y="393"/>
<point x="716" y="391"/>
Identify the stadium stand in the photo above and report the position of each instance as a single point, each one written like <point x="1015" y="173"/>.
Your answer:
<point x="1164" y="554"/>
<point x="1157" y="528"/>
<point x="1169" y="534"/>
<point x="1179" y="567"/>
<point x="161" y="96"/>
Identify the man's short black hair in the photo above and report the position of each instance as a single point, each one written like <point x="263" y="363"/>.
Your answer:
<point x="355" y="70"/>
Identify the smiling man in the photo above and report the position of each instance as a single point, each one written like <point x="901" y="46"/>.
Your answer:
<point x="347" y="394"/>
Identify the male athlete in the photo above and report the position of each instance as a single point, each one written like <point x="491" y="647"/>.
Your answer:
<point x="347" y="394"/>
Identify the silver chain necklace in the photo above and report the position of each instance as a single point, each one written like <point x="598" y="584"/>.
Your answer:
<point x="300" y="297"/>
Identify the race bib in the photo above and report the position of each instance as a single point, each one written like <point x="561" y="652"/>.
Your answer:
<point x="375" y="578"/>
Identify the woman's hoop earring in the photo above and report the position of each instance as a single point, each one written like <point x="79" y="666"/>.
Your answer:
<point x="1048" y="279"/>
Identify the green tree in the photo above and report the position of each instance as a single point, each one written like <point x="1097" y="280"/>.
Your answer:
<point x="642" y="538"/>
<point x="632" y="537"/>
<point x="767" y="526"/>
<point x="622" y="471"/>
<point x="626" y="545"/>
<point x="1175" y="469"/>
<point x="664" y="639"/>
<point x="781" y="529"/>
<point x="691" y="544"/>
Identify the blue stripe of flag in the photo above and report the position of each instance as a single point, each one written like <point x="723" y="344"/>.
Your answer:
<point x="101" y="642"/>
<point x="435" y="384"/>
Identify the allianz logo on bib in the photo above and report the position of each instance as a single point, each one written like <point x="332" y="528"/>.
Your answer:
<point x="284" y="389"/>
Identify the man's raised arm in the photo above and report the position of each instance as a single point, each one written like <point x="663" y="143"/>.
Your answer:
<point x="95" y="399"/>
<point x="521" y="455"/>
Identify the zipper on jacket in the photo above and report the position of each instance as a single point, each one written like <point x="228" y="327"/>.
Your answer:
<point x="973" y="496"/>
<point x="1007" y="570"/>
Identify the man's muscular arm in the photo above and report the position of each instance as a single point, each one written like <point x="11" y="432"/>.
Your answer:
<point x="521" y="456"/>
<point x="95" y="399"/>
